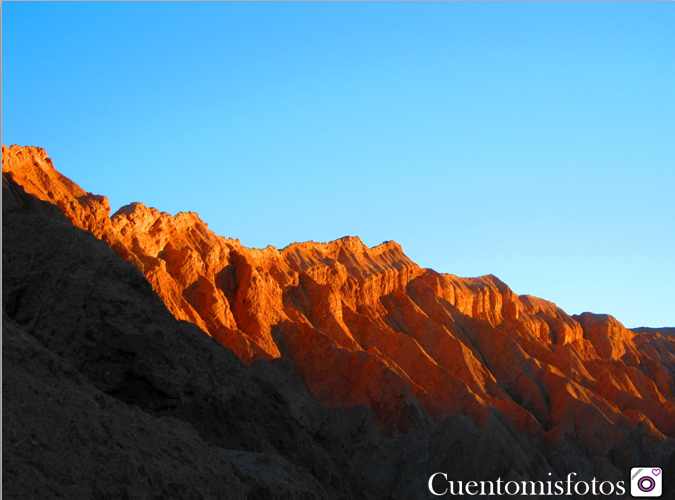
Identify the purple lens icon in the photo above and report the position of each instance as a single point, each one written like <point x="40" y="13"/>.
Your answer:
<point x="646" y="483"/>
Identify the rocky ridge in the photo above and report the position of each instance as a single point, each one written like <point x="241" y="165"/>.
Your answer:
<point x="666" y="332"/>
<point x="419" y="349"/>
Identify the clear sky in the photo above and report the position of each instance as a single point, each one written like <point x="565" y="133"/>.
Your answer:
<point x="533" y="141"/>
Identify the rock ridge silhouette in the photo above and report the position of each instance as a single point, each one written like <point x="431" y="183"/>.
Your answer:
<point x="425" y="355"/>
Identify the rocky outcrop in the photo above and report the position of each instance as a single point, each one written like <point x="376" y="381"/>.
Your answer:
<point x="107" y="395"/>
<point x="419" y="349"/>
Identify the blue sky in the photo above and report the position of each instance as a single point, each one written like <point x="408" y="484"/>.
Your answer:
<point x="533" y="141"/>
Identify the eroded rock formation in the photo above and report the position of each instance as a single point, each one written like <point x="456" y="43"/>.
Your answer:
<point x="419" y="349"/>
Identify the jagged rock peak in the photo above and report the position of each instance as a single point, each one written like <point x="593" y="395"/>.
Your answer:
<point x="368" y="326"/>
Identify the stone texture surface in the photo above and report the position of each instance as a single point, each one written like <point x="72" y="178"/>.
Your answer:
<point x="438" y="362"/>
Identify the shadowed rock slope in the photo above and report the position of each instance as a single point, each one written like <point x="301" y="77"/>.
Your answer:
<point x="511" y="384"/>
<point x="106" y="395"/>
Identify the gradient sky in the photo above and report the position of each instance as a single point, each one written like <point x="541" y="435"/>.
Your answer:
<point x="532" y="141"/>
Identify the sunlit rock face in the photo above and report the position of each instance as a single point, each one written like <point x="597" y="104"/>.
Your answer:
<point x="368" y="326"/>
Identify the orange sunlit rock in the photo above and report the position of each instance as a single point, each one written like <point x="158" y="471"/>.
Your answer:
<point x="369" y="326"/>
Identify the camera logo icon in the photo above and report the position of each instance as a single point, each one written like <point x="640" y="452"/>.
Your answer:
<point x="645" y="482"/>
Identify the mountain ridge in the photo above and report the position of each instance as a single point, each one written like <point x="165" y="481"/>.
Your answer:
<point x="368" y="326"/>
